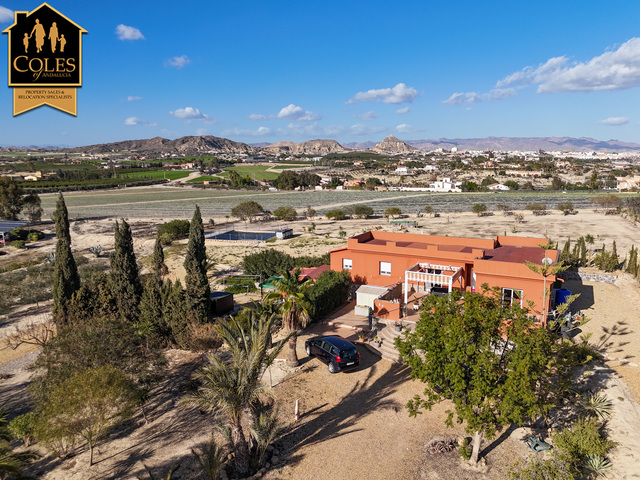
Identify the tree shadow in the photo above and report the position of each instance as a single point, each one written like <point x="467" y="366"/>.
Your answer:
<point x="586" y="298"/>
<point x="498" y="441"/>
<point x="365" y="397"/>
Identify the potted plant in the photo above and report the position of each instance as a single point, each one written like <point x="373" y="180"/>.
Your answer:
<point x="399" y="326"/>
<point x="362" y="335"/>
<point x="377" y="341"/>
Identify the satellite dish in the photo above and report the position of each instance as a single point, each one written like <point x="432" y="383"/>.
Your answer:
<point x="547" y="261"/>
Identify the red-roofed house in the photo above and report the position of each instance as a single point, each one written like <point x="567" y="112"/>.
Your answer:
<point x="430" y="263"/>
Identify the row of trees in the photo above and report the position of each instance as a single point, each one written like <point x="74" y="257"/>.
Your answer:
<point x="106" y="353"/>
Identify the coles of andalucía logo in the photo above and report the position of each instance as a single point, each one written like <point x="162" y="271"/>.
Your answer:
<point x="45" y="60"/>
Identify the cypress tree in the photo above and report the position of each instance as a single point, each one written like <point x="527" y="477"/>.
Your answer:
<point x="197" y="290"/>
<point x="174" y="314"/>
<point x="565" y="254"/>
<point x="151" y="322"/>
<point x="124" y="279"/>
<point x="583" y="252"/>
<point x="158" y="267"/>
<point x="615" y="261"/>
<point x="65" y="271"/>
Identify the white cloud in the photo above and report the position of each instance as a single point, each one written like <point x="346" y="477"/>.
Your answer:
<point x="257" y="116"/>
<point x="401" y="93"/>
<point x="138" y="121"/>
<point x="403" y="110"/>
<point x="188" y="113"/>
<point x="125" y="32"/>
<point x="615" y="69"/>
<point x="259" y="132"/>
<point x="370" y="115"/>
<point x="6" y="15"/>
<point x="464" y="98"/>
<point x="404" y="128"/>
<point x="615" y="121"/>
<point x="133" y="98"/>
<point x="297" y="113"/>
<point x="178" y="62"/>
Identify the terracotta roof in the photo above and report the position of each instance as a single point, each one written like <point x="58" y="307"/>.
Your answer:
<point x="513" y="254"/>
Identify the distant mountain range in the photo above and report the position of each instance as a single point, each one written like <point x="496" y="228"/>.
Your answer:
<point x="582" y="144"/>
<point x="199" y="145"/>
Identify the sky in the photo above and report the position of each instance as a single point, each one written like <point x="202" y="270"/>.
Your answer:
<point x="353" y="71"/>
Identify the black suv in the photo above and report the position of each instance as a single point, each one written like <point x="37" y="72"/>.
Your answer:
<point x="337" y="352"/>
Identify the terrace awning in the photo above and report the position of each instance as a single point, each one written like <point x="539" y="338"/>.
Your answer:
<point x="429" y="274"/>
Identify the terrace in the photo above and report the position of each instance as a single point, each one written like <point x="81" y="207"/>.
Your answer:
<point x="425" y="276"/>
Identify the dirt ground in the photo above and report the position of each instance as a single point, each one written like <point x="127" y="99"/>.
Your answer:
<point x="354" y="423"/>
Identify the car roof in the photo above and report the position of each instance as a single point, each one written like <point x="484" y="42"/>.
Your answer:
<point x="338" y="342"/>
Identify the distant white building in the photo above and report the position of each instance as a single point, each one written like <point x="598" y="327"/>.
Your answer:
<point x="629" y="183"/>
<point x="403" y="171"/>
<point x="445" y="185"/>
<point x="498" y="187"/>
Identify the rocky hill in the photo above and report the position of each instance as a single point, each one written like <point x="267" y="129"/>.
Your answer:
<point x="311" y="147"/>
<point x="158" y="145"/>
<point x="392" y="145"/>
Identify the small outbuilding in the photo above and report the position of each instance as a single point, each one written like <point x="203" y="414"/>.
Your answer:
<point x="284" y="232"/>
<point x="221" y="302"/>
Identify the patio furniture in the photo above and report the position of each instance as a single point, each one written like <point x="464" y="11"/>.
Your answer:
<point x="536" y="444"/>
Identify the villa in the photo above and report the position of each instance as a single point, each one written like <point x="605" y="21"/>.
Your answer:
<point x="404" y="265"/>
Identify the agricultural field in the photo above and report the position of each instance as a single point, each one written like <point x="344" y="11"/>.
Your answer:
<point x="175" y="202"/>
<point x="157" y="174"/>
<point x="258" y="172"/>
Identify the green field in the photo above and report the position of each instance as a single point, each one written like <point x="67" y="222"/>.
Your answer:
<point x="204" y="178"/>
<point x="175" y="202"/>
<point x="157" y="174"/>
<point x="257" y="172"/>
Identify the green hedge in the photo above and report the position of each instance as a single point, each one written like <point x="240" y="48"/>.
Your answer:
<point x="329" y="292"/>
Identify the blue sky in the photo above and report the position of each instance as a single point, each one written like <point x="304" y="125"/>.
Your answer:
<point x="257" y="71"/>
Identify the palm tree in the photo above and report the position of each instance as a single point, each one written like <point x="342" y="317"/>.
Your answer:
<point x="229" y="387"/>
<point x="294" y="308"/>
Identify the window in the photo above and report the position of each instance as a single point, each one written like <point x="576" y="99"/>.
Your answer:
<point x="385" y="268"/>
<point x="347" y="263"/>
<point x="511" y="296"/>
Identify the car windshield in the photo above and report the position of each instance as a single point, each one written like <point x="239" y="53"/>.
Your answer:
<point x="348" y="353"/>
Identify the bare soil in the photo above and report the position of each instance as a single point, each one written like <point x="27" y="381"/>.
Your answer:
<point x="353" y="423"/>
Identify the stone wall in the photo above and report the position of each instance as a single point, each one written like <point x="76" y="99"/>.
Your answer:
<point x="589" y="277"/>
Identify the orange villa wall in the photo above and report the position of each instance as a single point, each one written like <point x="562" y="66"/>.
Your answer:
<point x="367" y="254"/>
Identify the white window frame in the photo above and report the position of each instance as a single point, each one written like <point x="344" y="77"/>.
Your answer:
<point x="511" y="296"/>
<point x="347" y="264"/>
<point x="385" y="269"/>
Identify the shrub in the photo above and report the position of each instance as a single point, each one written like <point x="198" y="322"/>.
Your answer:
<point x="585" y="437"/>
<point x="23" y="427"/>
<point x="273" y="262"/>
<point x="479" y="209"/>
<point x="330" y="290"/>
<point x="558" y="467"/>
<point x="18" y="233"/>
<point x="465" y="449"/>
<point x="18" y="243"/>
<point x="173" y="230"/>
<point x="35" y="235"/>
<point x="362" y="211"/>
<point x="566" y="207"/>
<point x="336" y="214"/>
<point x="392" y="212"/>
<point x="537" y="208"/>
<point x="285" y="213"/>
